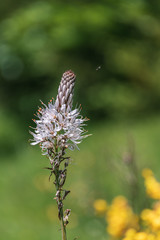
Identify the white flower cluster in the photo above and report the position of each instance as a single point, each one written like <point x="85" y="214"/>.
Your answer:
<point x="60" y="127"/>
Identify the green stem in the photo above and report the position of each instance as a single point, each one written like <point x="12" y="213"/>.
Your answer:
<point x="63" y="228"/>
<point x="64" y="236"/>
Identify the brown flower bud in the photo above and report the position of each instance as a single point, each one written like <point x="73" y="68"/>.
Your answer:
<point x="65" y="92"/>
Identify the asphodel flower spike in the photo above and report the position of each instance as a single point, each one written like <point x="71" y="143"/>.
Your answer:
<point x="58" y="121"/>
<point x="58" y="127"/>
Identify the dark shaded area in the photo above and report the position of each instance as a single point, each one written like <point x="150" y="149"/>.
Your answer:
<point x="112" y="47"/>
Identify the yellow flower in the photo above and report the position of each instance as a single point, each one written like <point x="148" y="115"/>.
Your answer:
<point x="152" y="237"/>
<point x="146" y="172"/>
<point x="157" y="236"/>
<point x="146" y="215"/>
<point x="152" y="185"/>
<point x="141" y="236"/>
<point x="130" y="233"/>
<point x="151" y="217"/>
<point x="120" y="217"/>
<point x="100" y="205"/>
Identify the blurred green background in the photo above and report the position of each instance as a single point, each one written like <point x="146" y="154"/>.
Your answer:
<point x="114" y="49"/>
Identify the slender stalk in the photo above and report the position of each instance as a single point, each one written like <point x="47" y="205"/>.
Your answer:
<point x="58" y="128"/>
<point x="60" y="208"/>
<point x="59" y="196"/>
<point x="64" y="236"/>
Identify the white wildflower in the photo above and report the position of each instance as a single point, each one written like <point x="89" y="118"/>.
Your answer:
<point x="57" y="124"/>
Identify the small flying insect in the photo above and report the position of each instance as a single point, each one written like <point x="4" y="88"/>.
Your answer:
<point x="98" y="68"/>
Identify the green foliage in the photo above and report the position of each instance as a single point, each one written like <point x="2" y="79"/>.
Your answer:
<point x="40" y="40"/>
<point x="113" y="47"/>
<point x="27" y="208"/>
